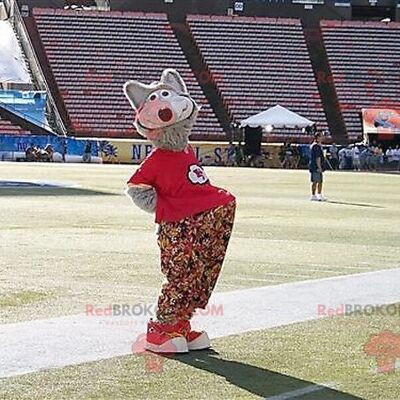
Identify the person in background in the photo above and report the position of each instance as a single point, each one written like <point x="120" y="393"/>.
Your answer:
<point x="334" y="152"/>
<point x="230" y="155"/>
<point x="317" y="160"/>
<point x="371" y="158"/>
<point x="282" y="153"/>
<point x="296" y="157"/>
<point x="287" y="156"/>
<point x="355" y="155"/>
<point x="87" y="152"/>
<point x="389" y="155"/>
<point x="364" y="158"/>
<point x="349" y="157"/>
<point x="30" y="153"/>
<point x="342" y="158"/>
<point x="47" y="153"/>
<point x="380" y="155"/>
<point x="239" y="155"/>
<point x="396" y="157"/>
<point x="64" y="148"/>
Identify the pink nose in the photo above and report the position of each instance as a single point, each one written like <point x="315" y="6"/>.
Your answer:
<point x="165" y="114"/>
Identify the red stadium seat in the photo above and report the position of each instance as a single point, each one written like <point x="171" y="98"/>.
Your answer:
<point x="364" y="59"/>
<point x="258" y="63"/>
<point x="8" y="128"/>
<point x="92" y="54"/>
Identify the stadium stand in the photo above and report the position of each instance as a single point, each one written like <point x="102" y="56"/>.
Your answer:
<point x="91" y="55"/>
<point x="364" y="58"/>
<point x="9" y="128"/>
<point x="258" y="63"/>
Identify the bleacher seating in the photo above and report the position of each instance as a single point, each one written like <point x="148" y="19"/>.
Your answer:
<point x="8" y="128"/>
<point x="365" y="59"/>
<point x="258" y="63"/>
<point x="92" y="54"/>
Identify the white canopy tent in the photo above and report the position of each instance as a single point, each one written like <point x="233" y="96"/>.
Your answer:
<point x="12" y="65"/>
<point x="277" y="117"/>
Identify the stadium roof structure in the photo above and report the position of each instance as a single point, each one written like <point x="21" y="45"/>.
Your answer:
<point x="277" y="117"/>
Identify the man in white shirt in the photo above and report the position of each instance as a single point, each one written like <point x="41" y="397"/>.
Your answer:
<point x="396" y="157"/>
<point x="355" y="155"/>
<point x="389" y="155"/>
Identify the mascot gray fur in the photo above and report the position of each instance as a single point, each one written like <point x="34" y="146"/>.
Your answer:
<point x="165" y="114"/>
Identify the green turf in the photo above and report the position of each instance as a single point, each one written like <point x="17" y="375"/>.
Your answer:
<point x="64" y="248"/>
<point x="23" y="297"/>
<point x="254" y="365"/>
<point x="81" y="248"/>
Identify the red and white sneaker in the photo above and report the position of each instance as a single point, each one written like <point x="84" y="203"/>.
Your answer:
<point x="165" y="338"/>
<point x="195" y="340"/>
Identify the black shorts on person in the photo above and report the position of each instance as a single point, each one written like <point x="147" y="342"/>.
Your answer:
<point x="316" y="177"/>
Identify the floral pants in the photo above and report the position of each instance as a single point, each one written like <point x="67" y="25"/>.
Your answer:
<point x="192" y="252"/>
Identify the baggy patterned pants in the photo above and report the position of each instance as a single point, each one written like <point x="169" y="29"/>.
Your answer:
<point x="192" y="252"/>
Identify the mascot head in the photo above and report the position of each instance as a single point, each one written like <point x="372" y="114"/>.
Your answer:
<point x="165" y="112"/>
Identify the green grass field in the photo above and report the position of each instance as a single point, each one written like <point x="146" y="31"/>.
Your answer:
<point x="64" y="248"/>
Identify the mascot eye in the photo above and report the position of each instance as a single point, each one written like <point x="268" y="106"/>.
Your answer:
<point x="165" y="93"/>
<point x="153" y="97"/>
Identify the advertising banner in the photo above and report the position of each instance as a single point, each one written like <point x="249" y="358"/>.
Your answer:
<point x="135" y="151"/>
<point x="379" y="121"/>
<point x="126" y="151"/>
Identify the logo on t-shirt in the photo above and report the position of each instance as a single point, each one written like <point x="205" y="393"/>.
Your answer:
<point x="197" y="175"/>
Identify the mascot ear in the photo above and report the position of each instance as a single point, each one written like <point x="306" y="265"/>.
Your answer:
<point x="136" y="93"/>
<point x="172" y="78"/>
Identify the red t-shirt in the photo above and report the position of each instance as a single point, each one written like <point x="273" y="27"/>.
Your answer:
<point x="182" y="186"/>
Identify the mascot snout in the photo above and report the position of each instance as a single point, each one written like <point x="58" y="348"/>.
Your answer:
<point x="159" y="113"/>
<point x="156" y="114"/>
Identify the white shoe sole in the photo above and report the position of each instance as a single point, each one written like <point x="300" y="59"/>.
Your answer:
<point x="175" y="345"/>
<point x="201" y="343"/>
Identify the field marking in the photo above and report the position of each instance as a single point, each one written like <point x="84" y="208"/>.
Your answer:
<point x="336" y="271"/>
<point x="328" y="278"/>
<point x="273" y="275"/>
<point x="36" y="345"/>
<point x="322" y="268"/>
<point x="299" y="392"/>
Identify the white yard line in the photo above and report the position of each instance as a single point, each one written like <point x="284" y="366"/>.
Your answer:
<point x="298" y="392"/>
<point x="322" y="269"/>
<point x="273" y="275"/>
<point x="31" y="346"/>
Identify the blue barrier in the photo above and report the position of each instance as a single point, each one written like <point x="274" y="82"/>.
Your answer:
<point x="72" y="146"/>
